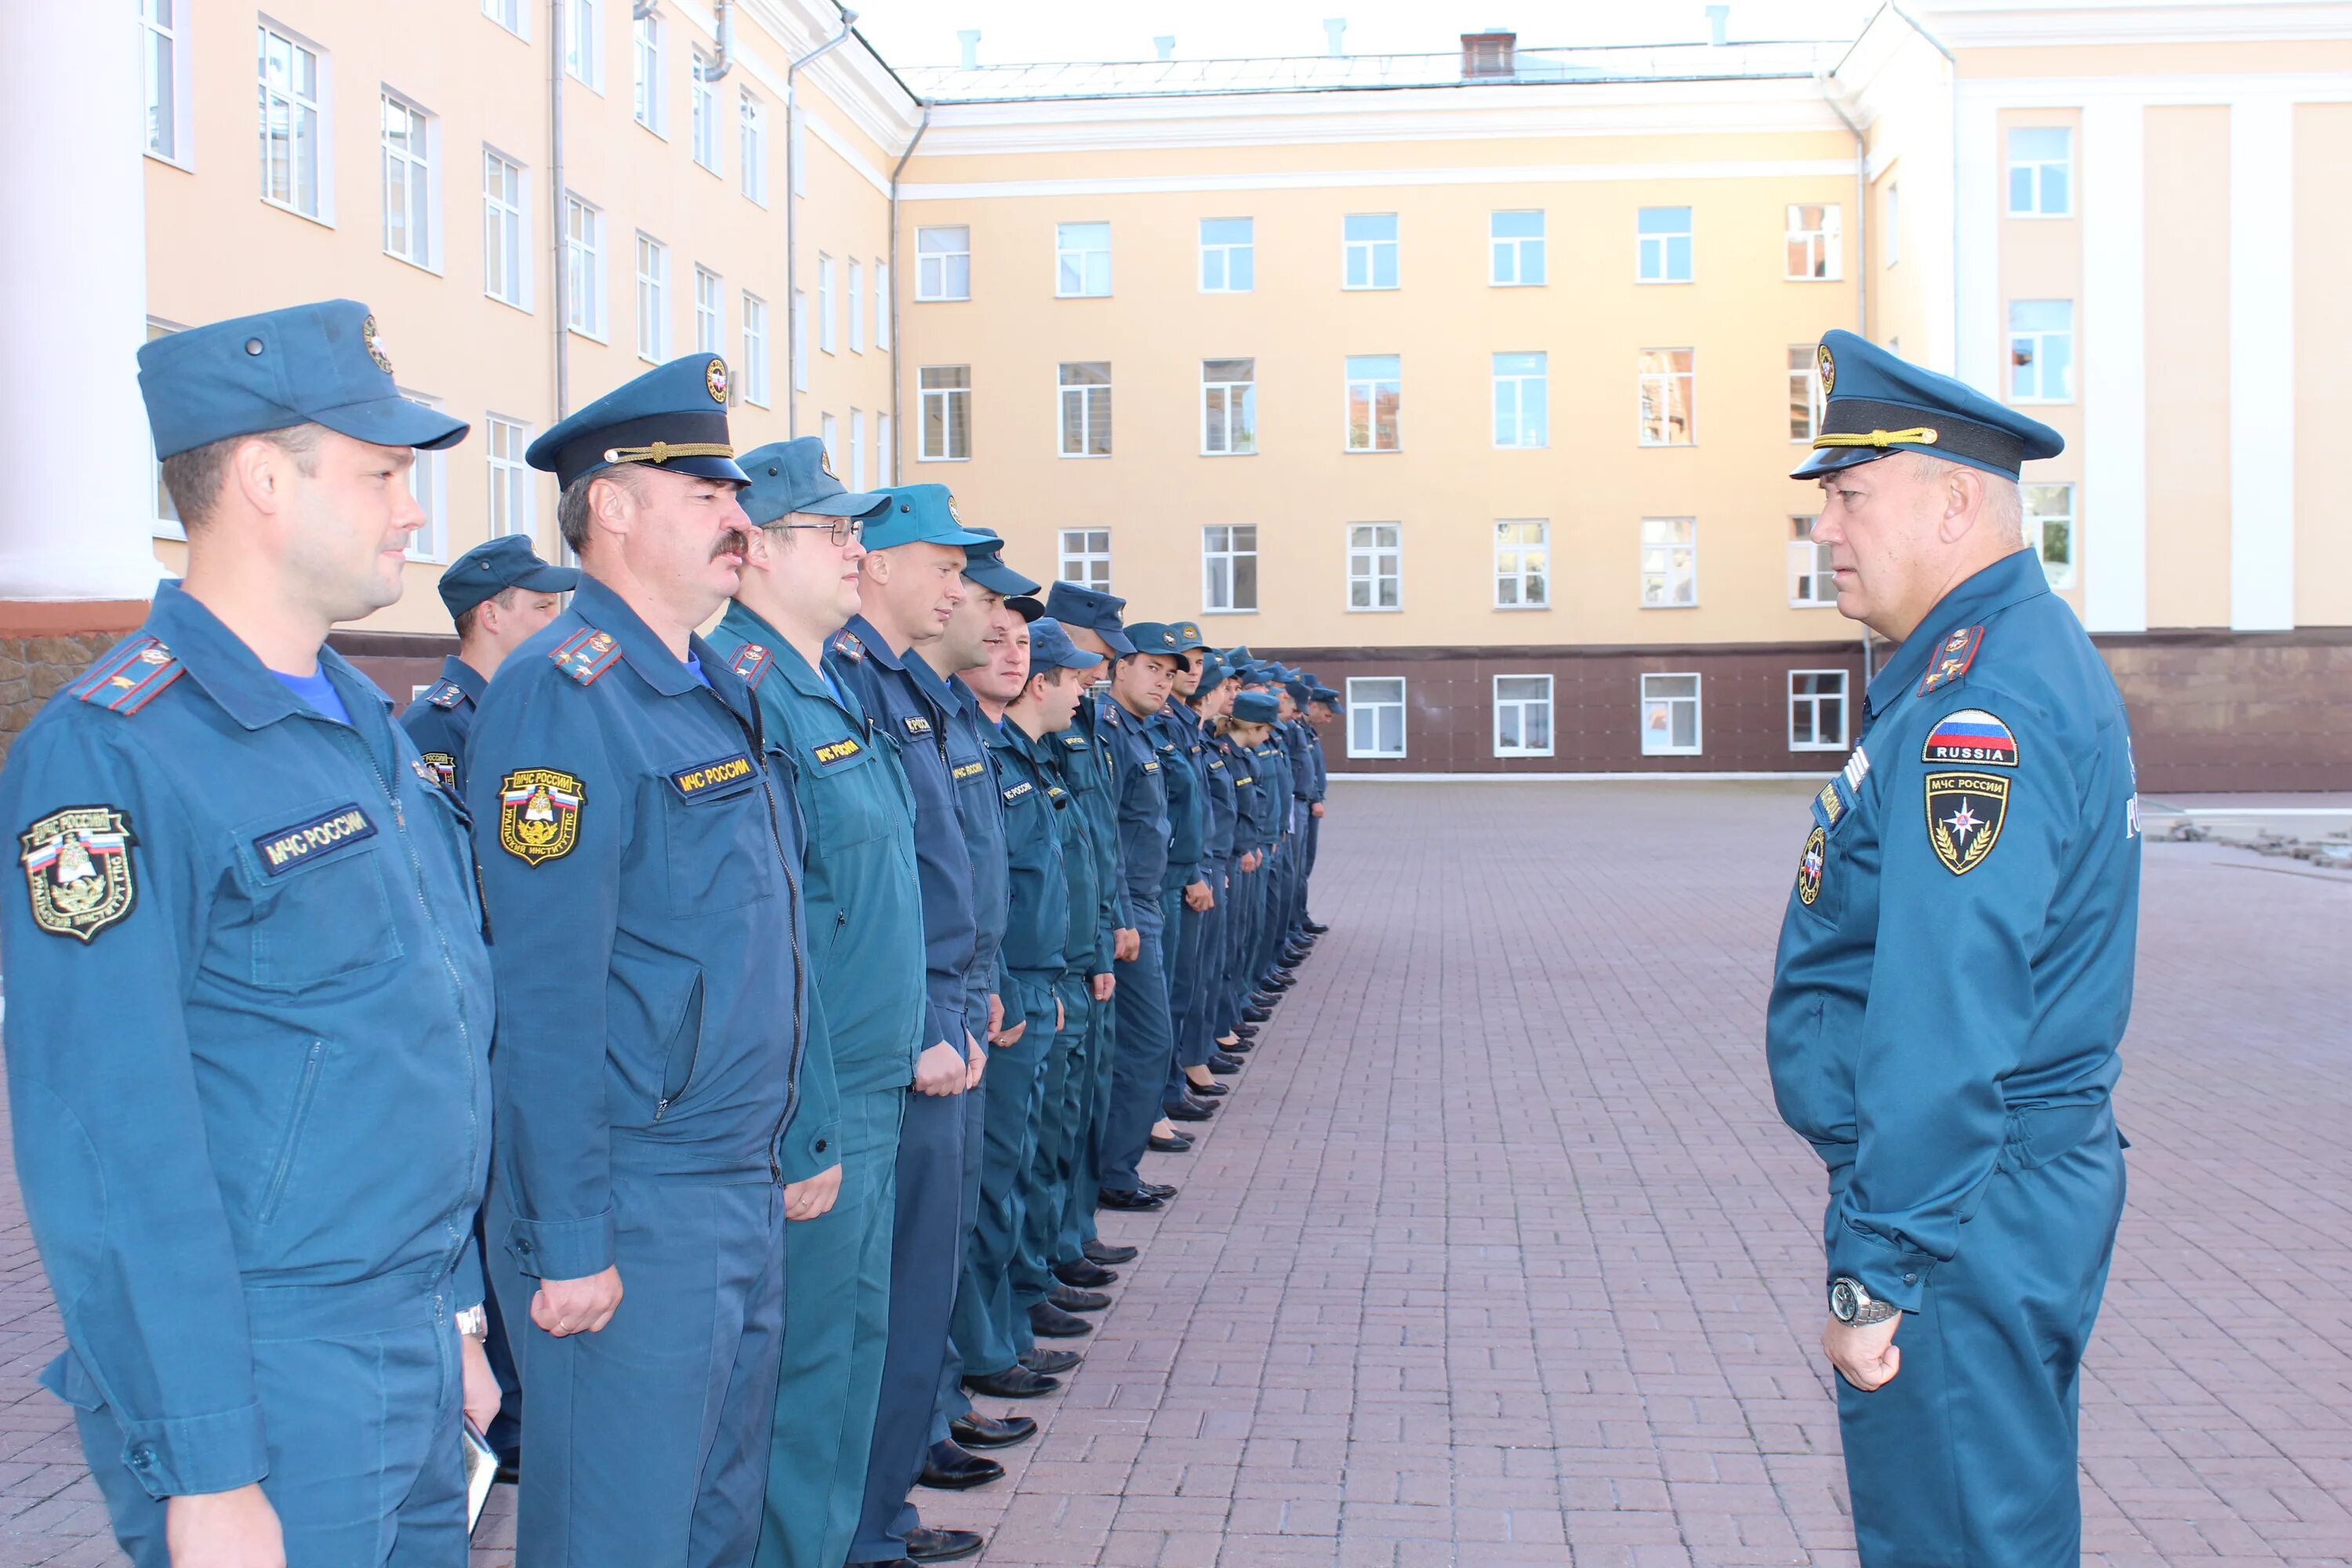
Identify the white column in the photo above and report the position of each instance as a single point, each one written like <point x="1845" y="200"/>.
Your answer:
<point x="2261" y="363"/>
<point x="2114" y="313"/>
<point x="1976" y="245"/>
<point x="75" y="516"/>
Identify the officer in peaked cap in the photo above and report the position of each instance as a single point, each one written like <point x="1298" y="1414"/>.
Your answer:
<point x="499" y="592"/>
<point x="1955" y="971"/>
<point x="640" y="850"/>
<point x="249" y="1001"/>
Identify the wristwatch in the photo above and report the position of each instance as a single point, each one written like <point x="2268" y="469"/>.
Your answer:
<point x="474" y="1322"/>
<point x="1852" y="1305"/>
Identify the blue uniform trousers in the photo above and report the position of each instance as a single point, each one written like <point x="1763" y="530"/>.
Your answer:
<point x="983" y="1320"/>
<point x="1189" y="930"/>
<point x="360" y="1393"/>
<point x="1045" y="1183"/>
<point x="1307" y="867"/>
<point x="1196" y="1042"/>
<point x="1241" y="945"/>
<point x="949" y="1400"/>
<point x="924" y="1256"/>
<point x="836" y="1326"/>
<point x="648" y="1441"/>
<point x="1092" y="1073"/>
<point x="1967" y="1460"/>
<point x="1141" y="1052"/>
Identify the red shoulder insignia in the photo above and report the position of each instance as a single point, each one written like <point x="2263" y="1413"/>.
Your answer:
<point x="847" y="646"/>
<point x="1951" y="658"/>
<point x="127" y="679"/>
<point x="447" y="695"/>
<point x="752" y="662"/>
<point x="585" y="655"/>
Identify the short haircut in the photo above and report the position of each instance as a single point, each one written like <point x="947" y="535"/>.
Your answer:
<point x="572" y="506"/>
<point x="195" y="476"/>
<point x="504" y="599"/>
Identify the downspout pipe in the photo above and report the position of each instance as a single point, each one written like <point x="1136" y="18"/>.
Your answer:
<point x="556" y="231"/>
<point x="792" y="215"/>
<point x="897" y="281"/>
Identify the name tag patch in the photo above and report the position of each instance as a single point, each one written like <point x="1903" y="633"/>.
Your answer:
<point x="1017" y="791"/>
<point x="288" y="846"/>
<point x="833" y="751"/>
<point x="963" y="771"/>
<point x="918" y="725"/>
<point x="707" y="776"/>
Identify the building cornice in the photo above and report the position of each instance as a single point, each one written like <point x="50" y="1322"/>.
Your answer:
<point x="1360" y="179"/>
<point x="2005" y="24"/>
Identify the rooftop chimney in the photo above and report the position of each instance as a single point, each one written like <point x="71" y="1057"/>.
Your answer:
<point x="1718" y="18"/>
<point x="969" y="39"/>
<point x="1489" y="55"/>
<point x="1166" y="43"/>
<point x="1335" y="31"/>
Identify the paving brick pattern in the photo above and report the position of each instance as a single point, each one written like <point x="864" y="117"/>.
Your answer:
<point x="1499" y="1256"/>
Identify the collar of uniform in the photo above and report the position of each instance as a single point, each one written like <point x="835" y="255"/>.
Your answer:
<point x="464" y="678"/>
<point x="2011" y="580"/>
<point x="751" y="626"/>
<point x="663" y="671"/>
<point x="927" y="681"/>
<point x="878" y="647"/>
<point x="232" y="674"/>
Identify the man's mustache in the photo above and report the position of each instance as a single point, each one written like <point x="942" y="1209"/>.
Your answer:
<point x="733" y="542"/>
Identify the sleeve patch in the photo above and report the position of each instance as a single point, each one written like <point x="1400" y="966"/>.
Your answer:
<point x="1810" y="865"/>
<point x="1964" y="817"/>
<point x="440" y="768"/>
<point x="1951" y="661"/>
<point x="585" y="655"/>
<point x="127" y="679"/>
<point x="539" y="814"/>
<point x="1970" y="735"/>
<point x="78" y="870"/>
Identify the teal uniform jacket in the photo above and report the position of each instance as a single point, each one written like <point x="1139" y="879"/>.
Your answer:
<point x="865" y="913"/>
<point x="1036" y="932"/>
<point x="1086" y="943"/>
<point x="1217" y="758"/>
<point x="441" y="722"/>
<point x="1175" y="735"/>
<point x="1091" y="774"/>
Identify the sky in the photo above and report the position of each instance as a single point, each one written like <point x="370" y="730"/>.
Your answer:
<point x="1020" y="32"/>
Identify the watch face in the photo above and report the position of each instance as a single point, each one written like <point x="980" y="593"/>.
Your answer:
<point x="1844" y="1305"/>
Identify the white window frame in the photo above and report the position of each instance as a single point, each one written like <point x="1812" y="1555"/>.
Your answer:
<point x="653" y="298"/>
<point x="163" y="53"/>
<point x="428" y="481"/>
<point x="1079" y="260"/>
<point x="506" y="261"/>
<point x="583" y="43"/>
<point x="1653" y="249"/>
<point x="710" y="312"/>
<point x="1222" y="545"/>
<point x="702" y="90"/>
<point x="511" y="505"/>
<point x="584" y="259"/>
<point x="1813" y="582"/>
<point x="755" y="350"/>
<point x="1375" y="568"/>
<point x="419" y="176"/>
<point x="858" y="479"/>
<point x="1089" y="401"/>
<point x="752" y="144"/>
<point x="1824" y="243"/>
<point x="319" y="108"/>
<point x="648" y="60"/>
<point x="2036" y="342"/>
<point x="1393" y="697"/>
<point x="881" y="305"/>
<point x="1369" y="384"/>
<point x="1698" y="700"/>
<point x="2039" y="522"/>
<point x="1516" y="384"/>
<point x="1523" y="703"/>
<point x="854" y="286"/>
<point x="1676" y="582"/>
<point x="2037" y="173"/>
<point x="945" y="408"/>
<point x="1519" y="574"/>
<point x="1223" y="252"/>
<point x="1805" y="392"/>
<point x="1217" y="399"/>
<point x="514" y="16"/>
<point x="1654" y="386"/>
<point x="1511" y="256"/>
<point x="166" y="524"/>
<point x="936" y="272"/>
<point x="828" y="332"/>
<point x="1360" y="255"/>
<point x="1843" y="697"/>
<point x="1085" y="558"/>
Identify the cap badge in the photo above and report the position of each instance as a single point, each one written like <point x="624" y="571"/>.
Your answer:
<point x="956" y="515"/>
<point x="714" y="377"/>
<point x="1829" y="369"/>
<point x="825" y="461"/>
<point x="374" y="342"/>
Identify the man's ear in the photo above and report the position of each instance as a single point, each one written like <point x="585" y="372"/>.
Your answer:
<point x="875" y="566"/>
<point x="263" y="473"/>
<point x="611" y="505"/>
<point x="1964" y="498"/>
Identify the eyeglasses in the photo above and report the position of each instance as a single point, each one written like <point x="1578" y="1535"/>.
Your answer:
<point x="840" y="530"/>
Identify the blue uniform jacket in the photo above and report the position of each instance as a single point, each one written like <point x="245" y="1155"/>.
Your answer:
<point x="1094" y="914"/>
<point x="1176" y="735"/>
<point x="1252" y="821"/>
<point x="1274" y="777"/>
<point x="1036" y="932"/>
<point x="248" y="1026"/>
<point x="1092" y="774"/>
<point x="1217" y="756"/>
<point x="441" y="720"/>
<point x="1958" y="949"/>
<point x="1299" y="746"/>
<point x="640" y="854"/>
<point x="1139" y="784"/>
<point x="865" y="908"/>
<point x="971" y="768"/>
<point x="916" y="725"/>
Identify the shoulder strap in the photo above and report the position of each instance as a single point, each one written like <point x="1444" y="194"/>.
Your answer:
<point x="127" y="679"/>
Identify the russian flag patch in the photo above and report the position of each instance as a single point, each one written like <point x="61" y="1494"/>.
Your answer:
<point x="1970" y="735"/>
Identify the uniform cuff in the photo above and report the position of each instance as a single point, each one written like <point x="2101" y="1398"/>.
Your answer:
<point x="1889" y="1273"/>
<point x="193" y="1454"/>
<point x="562" y="1248"/>
<point x="468" y="1286"/>
<point x="810" y="1154"/>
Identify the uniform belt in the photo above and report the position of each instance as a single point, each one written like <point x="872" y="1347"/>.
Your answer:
<point x="2037" y="1134"/>
<point x="361" y="1307"/>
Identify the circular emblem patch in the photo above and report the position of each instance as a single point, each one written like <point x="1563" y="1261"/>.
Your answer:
<point x="714" y="376"/>
<point x="953" y="513"/>
<point x="374" y="342"/>
<point x="600" y="642"/>
<point x="1829" y="369"/>
<point x="825" y="461"/>
<point x="1809" y="867"/>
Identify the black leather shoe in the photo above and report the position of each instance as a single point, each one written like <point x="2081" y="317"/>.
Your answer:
<point x="1109" y="1254"/>
<point x="1224" y="1066"/>
<point x="1257" y="1013"/>
<point x="1016" y="1382"/>
<point x="925" y="1544"/>
<point x="1070" y="1299"/>
<point x="1159" y="1191"/>
<point x="1050" y="1362"/>
<point x="1086" y="1276"/>
<point x="1189" y="1110"/>
<point x="1174" y="1143"/>
<point x="1048" y="1321"/>
<point x="948" y="1468"/>
<point x="1284" y="977"/>
<point x="1293" y="957"/>
<point x="1210" y="1091"/>
<point x="1237" y="1049"/>
<point x="1128" y="1199"/>
<point x="975" y="1430"/>
<point x="1314" y="928"/>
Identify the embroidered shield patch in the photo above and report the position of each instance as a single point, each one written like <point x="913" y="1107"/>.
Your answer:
<point x="440" y="768"/>
<point x="539" y="815"/>
<point x="374" y="344"/>
<point x="1829" y="376"/>
<point x="78" y="870"/>
<point x="1809" y="865"/>
<point x="1964" y="817"/>
<point x="714" y="379"/>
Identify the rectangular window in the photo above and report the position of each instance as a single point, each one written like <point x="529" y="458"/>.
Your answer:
<point x="647" y="52"/>
<point x="653" y="298"/>
<point x="1081" y="260"/>
<point x="709" y="313"/>
<point x="858" y="481"/>
<point x="1662" y="236"/>
<point x="1806" y="403"/>
<point x="886" y="456"/>
<point x="1375" y="716"/>
<point x="293" y="92"/>
<point x="1521" y="399"/>
<point x="407" y="147"/>
<point x="159" y="58"/>
<point x="947" y="413"/>
<point x="1229" y="567"/>
<point x="1812" y="581"/>
<point x="2041" y="171"/>
<point x="943" y="263"/>
<point x="800" y="340"/>
<point x="506" y="232"/>
<point x="1523" y="715"/>
<point x="755" y="351"/>
<point x="512" y="490"/>
<point x="166" y="522"/>
<point x="1085" y="409"/>
<point x="1816" y="244"/>
<point x="702" y="84"/>
<point x="1375" y="567"/>
<point x="427" y="479"/>
<point x="1228" y="407"/>
<point x="584" y="41"/>
<point x="829" y="432"/>
<point x="1669" y="563"/>
<point x="1893" y="238"/>
<point x="1668" y="396"/>
<point x="1523" y="564"/>
<point x="751" y="145"/>
<point x="2050" y="528"/>
<point x="1670" y="715"/>
<point x="825" y="337"/>
<point x="882" y="306"/>
<point x="1086" y="557"/>
<point x="1515" y="243"/>
<point x="857" y="307"/>
<point x="1228" y="255"/>
<point x="2042" y="350"/>
<point x="507" y="14"/>
<point x="1375" y="390"/>
<point x="1817" y="710"/>
<point x="583" y="268"/>
<point x="1369" y="251"/>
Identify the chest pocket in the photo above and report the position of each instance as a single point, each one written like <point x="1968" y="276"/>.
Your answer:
<point x="317" y="905"/>
<point x="849" y="798"/>
<point x="1826" y="862"/>
<point x="717" y="839"/>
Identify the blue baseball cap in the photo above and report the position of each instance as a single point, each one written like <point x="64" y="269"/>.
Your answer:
<point x="1075" y="605"/>
<point x="920" y="514"/>
<point x="1159" y="637"/>
<point x="1256" y="708"/>
<point x="322" y="363"/>
<point x="797" y="476"/>
<point x="1212" y="671"/>
<point x="1050" y="647"/>
<point x="1188" y="635"/>
<point x="1878" y="404"/>
<point x="673" y="418"/>
<point x="491" y="568"/>
<point x="984" y="565"/>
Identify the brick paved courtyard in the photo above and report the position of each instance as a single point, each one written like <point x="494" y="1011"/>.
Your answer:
<point x="1499" y="1255"/>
